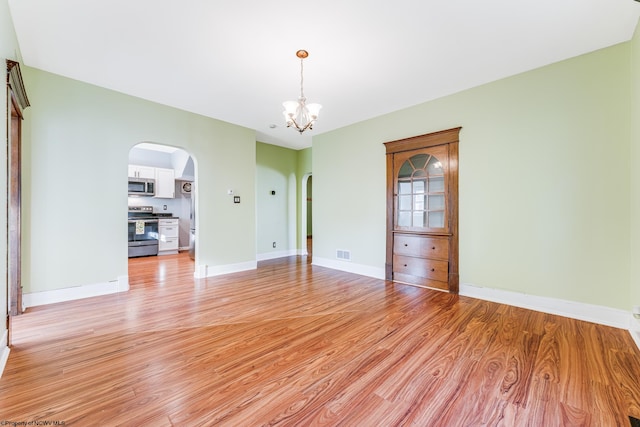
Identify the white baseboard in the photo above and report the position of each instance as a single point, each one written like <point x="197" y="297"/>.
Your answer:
<point x="350" y="267"/>
<point x="4" y="351"/>
<point x="588" y="312"/>
<point x="276" y="254"/>
<point x="121" y="284"/>
<point x="576" y="310"/>
<point x="204" y="270"/>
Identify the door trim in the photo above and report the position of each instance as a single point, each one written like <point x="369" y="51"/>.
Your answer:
<point x="17" y="101"/>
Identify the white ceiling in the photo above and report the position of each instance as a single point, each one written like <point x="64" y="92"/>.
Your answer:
<point x="234" y="60"/>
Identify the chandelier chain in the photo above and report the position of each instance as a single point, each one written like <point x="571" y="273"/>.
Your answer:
<point x="302" y="78"/>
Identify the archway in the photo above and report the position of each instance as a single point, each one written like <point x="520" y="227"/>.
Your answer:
<point x="306" y="218"/>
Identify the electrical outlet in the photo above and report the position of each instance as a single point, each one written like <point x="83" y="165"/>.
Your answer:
<point x="274" y="244"/>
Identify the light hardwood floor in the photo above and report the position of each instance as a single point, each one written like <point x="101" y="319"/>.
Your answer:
<point x="296" y="344"/>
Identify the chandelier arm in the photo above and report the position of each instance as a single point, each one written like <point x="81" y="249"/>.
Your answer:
<point x="294" y="123"/>
<point x="297" y="126"/>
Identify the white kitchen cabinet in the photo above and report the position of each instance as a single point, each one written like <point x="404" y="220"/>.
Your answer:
<point x="137" y="171"/>
<point x="165" y="183"/>
<point x="168" y="230"/>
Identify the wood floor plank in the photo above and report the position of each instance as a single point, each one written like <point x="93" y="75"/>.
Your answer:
<point x="295" y="344"/>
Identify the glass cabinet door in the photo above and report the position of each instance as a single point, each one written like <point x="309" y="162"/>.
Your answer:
<point x="420" y="190"/>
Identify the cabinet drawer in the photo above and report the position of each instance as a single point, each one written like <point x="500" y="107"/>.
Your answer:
<point x="168" y="244"/>
<point x="421" y="267"/>
<point x="166" y="232"/>
<point x="421" y="246"/>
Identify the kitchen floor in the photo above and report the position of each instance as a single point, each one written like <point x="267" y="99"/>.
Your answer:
<point x="155" y="271"/>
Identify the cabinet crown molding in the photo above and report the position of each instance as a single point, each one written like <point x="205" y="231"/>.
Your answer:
<point x="446" y="136"/>
<point x="14" y="80"/>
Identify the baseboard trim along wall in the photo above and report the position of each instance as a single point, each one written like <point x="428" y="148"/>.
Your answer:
<point x="278" y="254"/>
<point x="4" y="349"/>
<point x="575" y="310"/>
<point x="121" y="284"/>
<point x="204" y="270"/>
<point x="608" y="316"/>
<point x="349" y="267"/>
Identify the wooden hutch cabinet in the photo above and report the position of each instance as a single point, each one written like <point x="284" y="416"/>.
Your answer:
<point x="422" y="210"/>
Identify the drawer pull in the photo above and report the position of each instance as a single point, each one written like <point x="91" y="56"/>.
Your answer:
<point x="405" y="265"/>
<point x="405" y="245"/>
<point x="433" y="269"/>
<point x="433" y="248"/>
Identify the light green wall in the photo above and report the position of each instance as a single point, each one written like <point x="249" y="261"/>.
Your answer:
<point x="75" y="176"/>
<point x="635" y="170"/>
<point x="276" y="218"/>
<point x="544" y="180"/>
<point x="8" y="50"/>
<point x="279" y="218"/>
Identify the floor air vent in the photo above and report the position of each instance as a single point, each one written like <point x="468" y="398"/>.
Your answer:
<point x="343" y="255"/>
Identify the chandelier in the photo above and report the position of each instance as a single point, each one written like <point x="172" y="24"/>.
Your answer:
<point x="298" y="113"/>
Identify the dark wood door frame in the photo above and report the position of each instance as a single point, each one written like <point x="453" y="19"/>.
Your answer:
<point x="13" y="212"/>
<point x="17" y="101"/>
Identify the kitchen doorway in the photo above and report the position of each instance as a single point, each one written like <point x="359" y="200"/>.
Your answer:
<point x="161" y="203"/>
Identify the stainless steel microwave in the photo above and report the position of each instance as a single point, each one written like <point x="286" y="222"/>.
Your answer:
<point x="142" y="187"/>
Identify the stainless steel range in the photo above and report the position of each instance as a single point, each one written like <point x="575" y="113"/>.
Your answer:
<point x="143" y="231"/>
